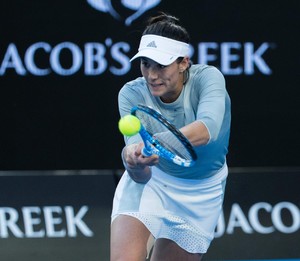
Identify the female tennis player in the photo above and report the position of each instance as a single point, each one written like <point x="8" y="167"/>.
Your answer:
<point x="177" y="206"/>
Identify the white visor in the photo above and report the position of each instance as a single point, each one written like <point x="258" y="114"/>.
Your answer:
<point x="161" y="49"/>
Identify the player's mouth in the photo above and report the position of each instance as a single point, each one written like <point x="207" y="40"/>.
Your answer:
<point x="155" y="85"/>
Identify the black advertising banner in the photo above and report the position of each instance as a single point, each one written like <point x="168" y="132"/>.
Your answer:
<point x="65" y="216"/>
<point x="54" y="216"/>
<point x="261" y="217"/>
<point x="62" y="64"/>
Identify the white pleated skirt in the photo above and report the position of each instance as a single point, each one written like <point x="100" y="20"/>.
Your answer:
<point x="182" y="210"/>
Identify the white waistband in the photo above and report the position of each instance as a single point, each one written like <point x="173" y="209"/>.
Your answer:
<point x="166" y="178"/>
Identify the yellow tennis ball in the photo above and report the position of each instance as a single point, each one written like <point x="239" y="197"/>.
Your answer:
<point x="129" y="125"/>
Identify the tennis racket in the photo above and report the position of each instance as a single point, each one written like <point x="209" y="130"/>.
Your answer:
<point x="163" y="138"/>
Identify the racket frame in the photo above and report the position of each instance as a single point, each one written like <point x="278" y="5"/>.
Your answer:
<point x="153" y="146"/>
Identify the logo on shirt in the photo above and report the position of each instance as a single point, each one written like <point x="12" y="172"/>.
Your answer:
<point x="136" y="7"/>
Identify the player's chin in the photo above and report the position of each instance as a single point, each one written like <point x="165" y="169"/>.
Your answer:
<point x="157" y="92"/>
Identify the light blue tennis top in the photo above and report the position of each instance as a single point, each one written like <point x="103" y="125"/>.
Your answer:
<point x="204" y="98"/>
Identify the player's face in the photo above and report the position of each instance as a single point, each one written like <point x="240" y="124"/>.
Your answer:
<point x="165" y="82"/>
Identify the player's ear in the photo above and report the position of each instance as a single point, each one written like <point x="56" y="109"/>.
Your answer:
<point x="184" y="64"/>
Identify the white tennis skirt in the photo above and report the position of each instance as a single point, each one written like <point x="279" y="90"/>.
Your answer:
<point x="183" y="210"/>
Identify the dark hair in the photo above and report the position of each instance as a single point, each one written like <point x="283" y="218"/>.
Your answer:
<point x="167" y="26"/>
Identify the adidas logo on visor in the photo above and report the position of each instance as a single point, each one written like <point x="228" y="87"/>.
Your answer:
<point x="152" y="44"/>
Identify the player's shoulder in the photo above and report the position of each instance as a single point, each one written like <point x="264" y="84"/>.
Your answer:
<point x="139" y="82"/>
<point x="197" y="69"/>
<point x="135" y="89"/>
<point x="203" y="72"/>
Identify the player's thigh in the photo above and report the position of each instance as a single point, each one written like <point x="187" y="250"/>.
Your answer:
<point x="129" y="239"/>
<point x="168" y="250"/>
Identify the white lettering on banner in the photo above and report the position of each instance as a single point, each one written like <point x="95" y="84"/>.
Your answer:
<point x="43" y="222"/>
<point x="278" y="222"/>
<point x="121" y="58"/>
<point x="238" y="219"/>
<point x="12" y="60"/>
<point x="94" y="55"/>
<point x="30" y="61"/>
<point x="251" y="223"/>
<point x="227" y="56"/>
<point x="76" y="58"/>
<point x="254" y="220"/>
<point x="232" y="58"/>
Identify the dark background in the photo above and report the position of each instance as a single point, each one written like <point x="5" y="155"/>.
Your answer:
<point x="70" y="122"/>
<point x="59" y="142"/>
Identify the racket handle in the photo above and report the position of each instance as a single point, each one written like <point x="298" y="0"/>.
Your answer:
<point x="146" y="152"/>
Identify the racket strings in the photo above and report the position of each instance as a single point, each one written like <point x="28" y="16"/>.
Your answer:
<point x="163" y="135"/>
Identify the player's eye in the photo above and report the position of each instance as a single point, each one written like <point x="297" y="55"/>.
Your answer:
<point x="160" y="66"/>
<point x="145" y="63"/>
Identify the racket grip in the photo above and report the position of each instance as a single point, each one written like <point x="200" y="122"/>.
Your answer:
<point x="146" y="152"/>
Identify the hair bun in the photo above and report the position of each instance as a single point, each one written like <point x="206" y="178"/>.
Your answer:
<point x="167" y="26"/>
<point x="163" y="17"/>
